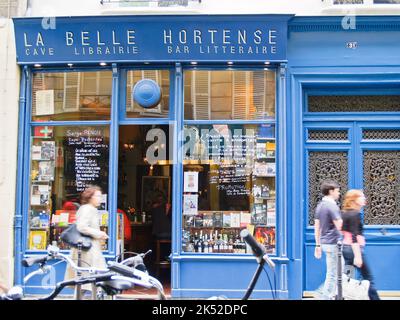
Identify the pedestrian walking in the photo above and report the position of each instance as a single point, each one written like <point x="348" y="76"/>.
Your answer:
<point x="353" y="238"/>
<point x="327" y="224"/>
<point x="87" y="222"/>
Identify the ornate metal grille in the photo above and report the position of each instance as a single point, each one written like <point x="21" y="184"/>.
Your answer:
<point x="325" y="165"/>
<point x="381" y="134"/>
<point x="354" y="103"/>
<point x="382" y="187"/>
<point x="325" y="135"/>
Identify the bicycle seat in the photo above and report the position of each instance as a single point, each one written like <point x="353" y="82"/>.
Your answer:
<point x="115" y="285"/>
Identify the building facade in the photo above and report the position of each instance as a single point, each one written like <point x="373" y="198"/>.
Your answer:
<point x="256" y="110"/>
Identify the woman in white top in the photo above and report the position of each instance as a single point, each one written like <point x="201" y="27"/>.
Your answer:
<point x="87" y="222"/>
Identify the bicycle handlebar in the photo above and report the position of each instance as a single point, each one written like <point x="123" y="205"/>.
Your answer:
<point x="258" y="249"/>
<point x="29" y="262"/>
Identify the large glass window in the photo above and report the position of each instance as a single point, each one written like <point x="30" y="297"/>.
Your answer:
<point x="229" y="184"/>
<point x="64" y="160"/>
<point x="133" y="109"/>
<point x="71" y="96"/>
<point x="229" y="95"/>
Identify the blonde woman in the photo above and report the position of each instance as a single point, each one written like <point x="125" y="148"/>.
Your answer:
<point x="87" y="222"/>
<point x="353" y="239"/>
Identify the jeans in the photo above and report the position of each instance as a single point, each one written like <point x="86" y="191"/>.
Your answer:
<point x="348" y="256"/>
<point x="327" y="291"/>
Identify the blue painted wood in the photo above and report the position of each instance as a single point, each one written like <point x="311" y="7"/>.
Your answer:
<point x="317" y="83"/>
<point x="19" y="216"/>
<point x="177" y="174"/>
<point x="26" y="163"/>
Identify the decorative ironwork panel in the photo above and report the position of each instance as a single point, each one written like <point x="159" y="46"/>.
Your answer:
<point x="326" y="135"/>
<point x="389" y="103"/>
<point x="381" y="134"/>
<point x="382" y="187"/>
<point x="325" y="165"/>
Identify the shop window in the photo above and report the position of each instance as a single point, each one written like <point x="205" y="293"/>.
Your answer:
<point x="71" y="96"/>
<point x="229" y="184"/>
<point x="162" y="78"/>
<point x="64" y="160"/>
<point x="229" y="95"/>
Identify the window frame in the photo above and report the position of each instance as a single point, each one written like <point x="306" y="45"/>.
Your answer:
<point x="30" y="124"/>
<point x="273" y="121"/>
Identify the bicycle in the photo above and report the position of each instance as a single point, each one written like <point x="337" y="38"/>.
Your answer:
<point x="113" y="280"/>
<point x="262" y="257"/>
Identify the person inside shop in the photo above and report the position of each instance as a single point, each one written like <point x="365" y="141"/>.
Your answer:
<point x="127" y="227"/>
<point x="71" y="205"/>
<point x="161" y="217"/>
<point x="161" y="228"/>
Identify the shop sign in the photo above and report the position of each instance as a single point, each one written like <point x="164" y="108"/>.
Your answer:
<point x="240" y="38"/>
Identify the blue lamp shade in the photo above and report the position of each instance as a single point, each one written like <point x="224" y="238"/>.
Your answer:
<point x="146" y="93"/>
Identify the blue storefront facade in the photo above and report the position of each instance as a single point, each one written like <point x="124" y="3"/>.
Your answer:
<point x="335" y="115"/>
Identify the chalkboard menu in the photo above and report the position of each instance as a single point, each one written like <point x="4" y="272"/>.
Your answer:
<point x="86" y="156"/>
<point x="236" y="150"/>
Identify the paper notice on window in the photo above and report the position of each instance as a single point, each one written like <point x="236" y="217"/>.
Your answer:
<point x="235" y="220"/>
<point x="191" y="181"/>
<point x="245" y="219"/>
<point x="190" y="204"/>
<point x="44" y="102"/>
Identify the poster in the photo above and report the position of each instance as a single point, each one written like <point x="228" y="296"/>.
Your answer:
<point x="260" y="169"/>
<point x="271" y="169"/>
<point x="245" y="219"/>
<point x="40" y="194"/>
<point x="36" y="152"/>
<point x="48" y="150"/>
<point x="37" y="240"/>
<point x="103" y="202"/>
<point x="46" y="170"/>
<point x="190" y="204"/>
<point x="35" y="195"/>
<point x="235" y="220"/>
<point x="44" y="102"/>
<point x="191" y="181"/>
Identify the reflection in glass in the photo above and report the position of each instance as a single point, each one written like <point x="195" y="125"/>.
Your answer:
<point x="229" y="95"/>
<point x="71" y="96"/>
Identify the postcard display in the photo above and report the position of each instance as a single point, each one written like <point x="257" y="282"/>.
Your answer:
<point x="64" y="167"/>
<point x="211" y="231"/>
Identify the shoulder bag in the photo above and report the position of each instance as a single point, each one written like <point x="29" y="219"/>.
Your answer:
<point x="72" y="236"/>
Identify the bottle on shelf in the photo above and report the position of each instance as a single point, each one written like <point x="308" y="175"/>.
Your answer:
<point x="205" y="244"/>
<point x="143" y="217"/>
<point x="196" y="243"/>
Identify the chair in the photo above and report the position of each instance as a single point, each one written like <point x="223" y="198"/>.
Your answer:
<point x="160" y="261"/>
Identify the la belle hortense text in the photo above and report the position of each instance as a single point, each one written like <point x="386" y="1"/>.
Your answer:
<point x="211" y="41"/>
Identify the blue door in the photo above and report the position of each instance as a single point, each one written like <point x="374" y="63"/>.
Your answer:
<point x="358" y="152"/>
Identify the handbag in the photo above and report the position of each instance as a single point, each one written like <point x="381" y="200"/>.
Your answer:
<point x="354" y="289"/>
<point x="72" y="236"/>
